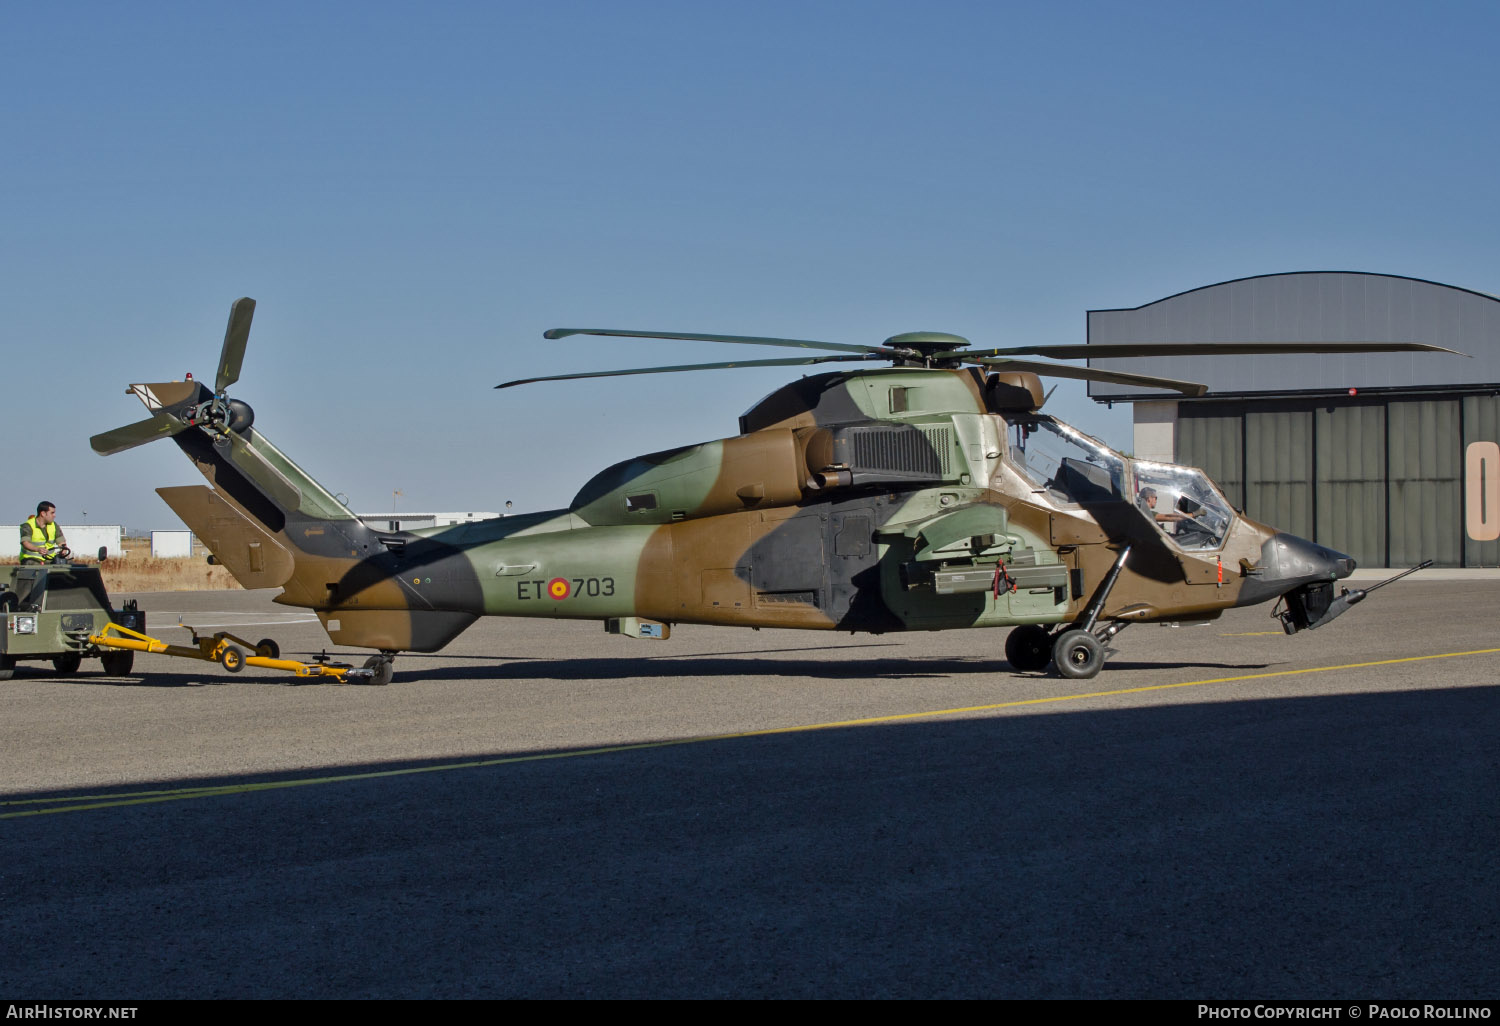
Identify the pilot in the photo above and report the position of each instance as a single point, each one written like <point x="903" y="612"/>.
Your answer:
<point x="41" y="538"/>
<point x="1146" y="500"/>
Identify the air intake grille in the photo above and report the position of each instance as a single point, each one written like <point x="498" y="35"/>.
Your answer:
<point x="919" y="451"/>
<point x="941" y="440"/>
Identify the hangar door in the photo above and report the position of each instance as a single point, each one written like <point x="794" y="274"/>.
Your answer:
<point x="1381" y="480"/>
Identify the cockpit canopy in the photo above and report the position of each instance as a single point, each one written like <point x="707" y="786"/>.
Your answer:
<point x="1183" y="503"/>
<point x="1072" y="468"/>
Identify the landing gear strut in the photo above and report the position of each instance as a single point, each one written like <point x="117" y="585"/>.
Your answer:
<point x="1078" y="650"/>
<point x="1078" y="654"/>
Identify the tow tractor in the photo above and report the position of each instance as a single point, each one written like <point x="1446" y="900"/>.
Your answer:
<point x="60" y="612"/>
<point x="51" y="611"/>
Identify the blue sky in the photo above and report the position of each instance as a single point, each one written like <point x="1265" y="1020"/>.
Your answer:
<point x="414" y="193"/>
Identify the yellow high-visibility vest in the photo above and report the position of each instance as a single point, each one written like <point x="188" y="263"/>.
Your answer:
<point x="39" y="536"/>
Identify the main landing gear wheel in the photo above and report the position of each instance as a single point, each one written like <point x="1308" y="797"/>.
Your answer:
<point x="118" y="664"/>
<point x="1078" y="655"/>
<point x="67" y="663"/>
<point x="382" y="668"/>
<point x="1028" y="648"/>
<point x="232" y="658"/>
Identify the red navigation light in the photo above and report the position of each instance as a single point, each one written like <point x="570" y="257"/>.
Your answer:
<point x="190" y="378"/>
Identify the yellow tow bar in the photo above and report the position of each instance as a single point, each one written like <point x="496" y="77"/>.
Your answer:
<point x="231" y="652"/>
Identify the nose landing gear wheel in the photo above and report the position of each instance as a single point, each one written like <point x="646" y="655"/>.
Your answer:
<point x="1078" y="655"/>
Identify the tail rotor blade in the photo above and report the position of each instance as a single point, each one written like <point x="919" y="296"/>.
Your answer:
<point x="235" y="337"/>
<point x="132" y="435"/>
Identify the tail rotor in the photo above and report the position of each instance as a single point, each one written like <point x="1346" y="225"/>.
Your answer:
<point x="178" y="406"/>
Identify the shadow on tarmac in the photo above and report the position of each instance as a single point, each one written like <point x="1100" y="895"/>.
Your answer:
<point x="733" y="664"/>
<point x="1309" y="847"/>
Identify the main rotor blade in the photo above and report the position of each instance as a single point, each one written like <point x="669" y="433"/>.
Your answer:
<point x="1061" y="370"/>
<point x="258" y="469"/>
<point x="235" y="337"/>
<point x="131" y="435"/>
<point x="792" y="362"/>
<point x="1118" y="350"/>
<point x="755" y="340"/>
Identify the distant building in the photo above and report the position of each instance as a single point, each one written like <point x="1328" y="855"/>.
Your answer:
<point x="1392" y="458"/>
<point x="172" y="544"/>
<point x="412" y="521"/>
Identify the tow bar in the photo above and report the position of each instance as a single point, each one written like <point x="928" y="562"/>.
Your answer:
<point x="231" y="652"/>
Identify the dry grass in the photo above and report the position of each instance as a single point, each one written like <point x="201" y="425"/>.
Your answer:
<point x="151" y="573"/>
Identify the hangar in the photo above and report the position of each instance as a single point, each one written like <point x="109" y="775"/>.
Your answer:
<point x="1392" y="458"/>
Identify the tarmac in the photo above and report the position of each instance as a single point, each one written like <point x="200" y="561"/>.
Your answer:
<point x="544" y="810"/>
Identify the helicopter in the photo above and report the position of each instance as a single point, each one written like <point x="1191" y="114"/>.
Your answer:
<point x="917" y="486"/>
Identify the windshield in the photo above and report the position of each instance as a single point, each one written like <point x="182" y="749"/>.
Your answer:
<point x="1183" y="503"/>
<point x="1070" y="465"/>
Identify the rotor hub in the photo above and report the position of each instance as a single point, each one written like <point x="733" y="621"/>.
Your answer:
<point x="927" y="342"/>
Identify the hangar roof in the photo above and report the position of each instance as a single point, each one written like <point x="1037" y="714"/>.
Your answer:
<point x="1309" y="306"/>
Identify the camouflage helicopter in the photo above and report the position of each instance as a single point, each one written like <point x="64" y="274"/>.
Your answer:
<point x="926" y="493"/>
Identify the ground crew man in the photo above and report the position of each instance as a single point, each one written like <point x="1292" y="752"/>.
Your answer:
<point x="41" y="538"/>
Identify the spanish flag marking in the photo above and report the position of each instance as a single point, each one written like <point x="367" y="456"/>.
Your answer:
<point x="558" y="587"/>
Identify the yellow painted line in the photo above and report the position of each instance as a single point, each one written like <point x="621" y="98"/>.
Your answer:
<point x="83" y="803"/>
<point x="178" y="794"/>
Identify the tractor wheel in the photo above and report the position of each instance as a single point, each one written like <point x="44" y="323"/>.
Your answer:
<point x="267" y="649"/>
<point x="7" y="667"/>
<point x="1028" y="648"/>
<point x="384" y="668"/>
<point x="232" y="658"/>
<point x="67" y="663"/>
<point x="118" y="664"/>
<point x="1078" y="655"/>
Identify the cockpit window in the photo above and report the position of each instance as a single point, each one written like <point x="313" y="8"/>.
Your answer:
<point x="1071" y="466"/>
<point x="1183" y="503"/>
